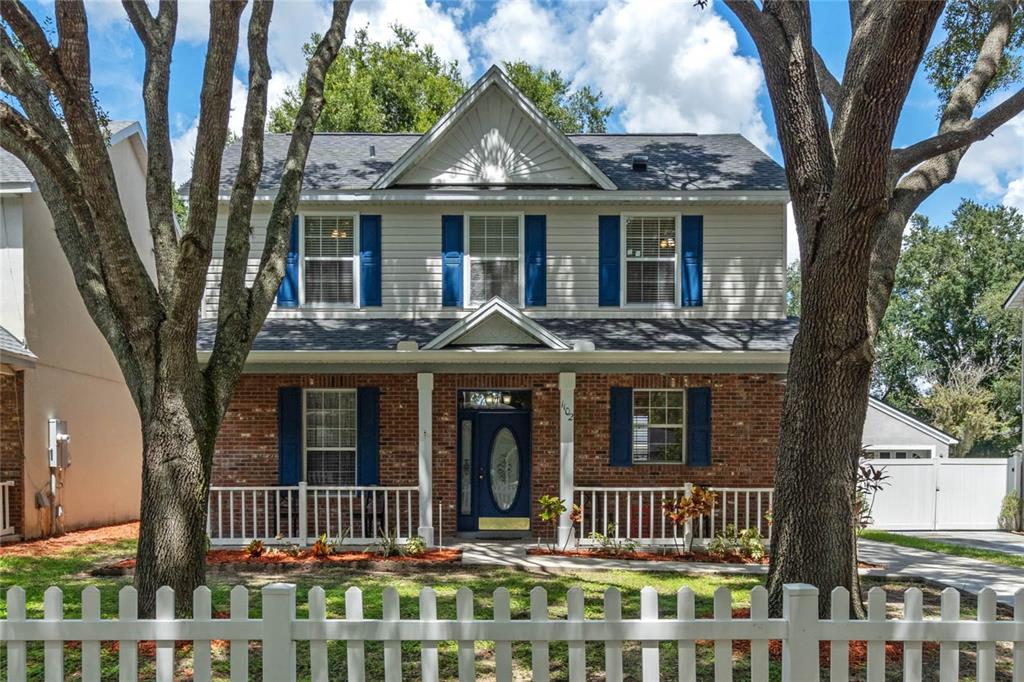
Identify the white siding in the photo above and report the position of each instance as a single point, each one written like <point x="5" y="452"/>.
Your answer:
<point x="744" y="273"/>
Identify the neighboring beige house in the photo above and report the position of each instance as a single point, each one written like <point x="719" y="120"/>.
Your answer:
<point x="54" y="364"/>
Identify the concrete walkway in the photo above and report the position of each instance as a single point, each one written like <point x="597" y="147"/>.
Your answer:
<point x="968" y="575"/>
<point x="994" y="540"/>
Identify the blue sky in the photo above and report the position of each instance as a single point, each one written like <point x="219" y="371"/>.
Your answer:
<point x="664" y="66"/>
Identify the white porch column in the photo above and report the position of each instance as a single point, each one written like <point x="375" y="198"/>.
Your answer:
<point x="425" y="384"/>
<point x="566" y="416"/>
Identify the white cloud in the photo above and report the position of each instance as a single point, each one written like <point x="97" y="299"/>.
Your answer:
<point x="996" y="164"/>
<point x="433" y="24"/>
<point x="542" y="36"/>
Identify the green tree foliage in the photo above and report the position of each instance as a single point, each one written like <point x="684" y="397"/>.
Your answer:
<point x="946" y="314"/>
<point x="793" y="289"/>
<point x="403" y="87"/>
<point x="373" y="87"/>
<point x="966" y="25"/>
<point x="965" y="407"/>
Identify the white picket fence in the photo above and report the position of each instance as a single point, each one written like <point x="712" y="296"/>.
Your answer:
<point x="278" y="630"/>
<point x="299" y="514"/>
<point x="637" y="513"/>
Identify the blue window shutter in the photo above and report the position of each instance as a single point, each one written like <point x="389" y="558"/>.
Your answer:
<point x="451" y="260"/>
<point x="288" y="292"/>
<point x="698" y="427"/>
<point x="620" y="441"/>
<point x="536" y="246"/>
<point x="289" y="435"/>
<point x="368" y="436"/>
<point x="608" y="259"/>
<point x="369" y="260"/>
<point x="692" y="263"/>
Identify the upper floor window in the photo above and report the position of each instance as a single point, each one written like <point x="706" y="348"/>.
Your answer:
<point x="330" y="436"/>
<point x="495" y="257"/>
<point x="659" y="426"/>
<point x="651" y="266"/>
<point x="328" y="259"/>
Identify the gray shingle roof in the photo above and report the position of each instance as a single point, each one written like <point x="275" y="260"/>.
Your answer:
<point x="282" y="334"/>
<point x="12" y="349"/>
<point x="341" y="161"/>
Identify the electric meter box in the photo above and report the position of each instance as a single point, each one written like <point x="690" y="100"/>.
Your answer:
<point x="59" y="444"/>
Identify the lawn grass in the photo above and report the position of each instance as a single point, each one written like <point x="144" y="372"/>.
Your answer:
<point x="69" y="569"/>
<point x="954" y="549"/>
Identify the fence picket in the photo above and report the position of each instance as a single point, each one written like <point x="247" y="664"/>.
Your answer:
<point x="53" y="651"/>
<point x="239" y="656"/>
<point x="127" y="650"/>
<point x="723" y="647"/>
<point x="202" y="609"/>
<point x="687" y="650"/>
<point x="317" y="600"/>
<point x="428" y="649"/>
<point x="1018" y="647"/>
<point x="876" y="650"/>
<point x="839" y="649"/>
<point x="392" y="647"/>
<point x="649" y="659"/>
<point x="502" y="648"/>
<point x="278" y="613"/>
<point x="539" y="650"/>
<point x="613" y="648"/>
<point x="356" y="648"/>
<point x="949" y="652"/>
<point x="577" y="647"/>
<point x="986" y="650"/>
<point x="91" y="647"/>
<point x="759" y="648"/>
<point x="165" y="648"/>
<point x="17" y="662"/>
<point x="467" y="654"/>
<point x="912" y="651"/>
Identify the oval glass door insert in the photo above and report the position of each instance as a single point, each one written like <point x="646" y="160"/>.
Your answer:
<point x="504" y="469"/>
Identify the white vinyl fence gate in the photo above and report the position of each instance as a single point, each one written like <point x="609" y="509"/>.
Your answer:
<point x="943" y="493"/>
<point x="278" y="630"/>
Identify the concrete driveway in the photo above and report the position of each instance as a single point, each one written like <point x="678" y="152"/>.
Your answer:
<point x="995" y="540"/>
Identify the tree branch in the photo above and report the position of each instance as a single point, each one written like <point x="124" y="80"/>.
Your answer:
<point x="233" y="303"/>
<point x="829" y="84"/>
<point x="957" y="135"/>
<point x="30" y="34"/>
<point x="157" y="35"/>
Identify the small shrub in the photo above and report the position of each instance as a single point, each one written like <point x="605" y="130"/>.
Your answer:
<point x="1009" y="512"/>
<point x="416" y="546"/>
<point x="322" y="547"/>
<point x="292" y="550"/>
<point x="683" y="509"/>
<point x="255" y="548"/>
<point x="745" y="543"/>
<point x="612" y="545"/>
<point x="551" y="509"/>
<point x="388" y="545"/>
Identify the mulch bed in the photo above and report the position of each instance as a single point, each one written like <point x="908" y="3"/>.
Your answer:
<point x="639" y="555"/>
<point x="230" y="559"/>
<point x="71" y="540"/>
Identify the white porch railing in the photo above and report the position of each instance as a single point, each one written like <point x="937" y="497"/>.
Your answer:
<point x="278" y="629"/>
<point x="6" y="527"/>
<point x="299" y="514"/>
<point x="638" y="513"/>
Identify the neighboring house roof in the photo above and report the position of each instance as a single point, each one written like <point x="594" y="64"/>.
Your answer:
<point x="13" y="171"/>
<point x="676" y="162"/>
<point x="607" y="334"/>
<point x="1016" y="298"/>
<point x="14" y="351"/>
<point x="912" y="422"/>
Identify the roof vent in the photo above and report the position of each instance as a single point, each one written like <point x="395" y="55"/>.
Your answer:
<point x="640" y="163"/>
<point x="373" y="151"/>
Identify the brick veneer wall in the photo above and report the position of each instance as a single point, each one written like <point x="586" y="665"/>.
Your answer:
<point x="12" y="442"/>
<point x="745" y="412"/>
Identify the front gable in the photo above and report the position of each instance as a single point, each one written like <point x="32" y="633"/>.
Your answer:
<point x="497" y="323"/>
<point x="494" y="136"/>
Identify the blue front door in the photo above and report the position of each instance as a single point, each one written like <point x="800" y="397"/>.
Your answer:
<point x="494" y="471"/>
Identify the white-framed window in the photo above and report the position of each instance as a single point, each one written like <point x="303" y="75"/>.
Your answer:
<point x="494" y="251"/>
<point x="330" y="259"/>
<point x="651" y="249"/>
<point x="659" y="426"/>
<point x="329" y="436"/>
<point x="897" y="453"/>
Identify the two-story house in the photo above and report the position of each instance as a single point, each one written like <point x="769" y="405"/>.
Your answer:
<point x="494" y="311"/>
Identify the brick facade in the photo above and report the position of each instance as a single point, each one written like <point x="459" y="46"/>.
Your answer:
<point x="745" y="419"/>
<point x="12" y="443"/>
